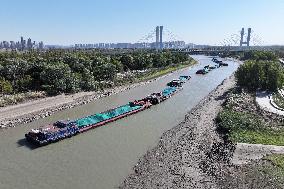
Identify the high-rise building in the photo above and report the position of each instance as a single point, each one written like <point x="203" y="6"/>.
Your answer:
<point x="41" y="45"/>
<point x="23" y="43"/>
<point x="18" y="45"/>
<point x="29" y="44"/>
<point x="12" y="45"/>
<point x="6" y="44"/>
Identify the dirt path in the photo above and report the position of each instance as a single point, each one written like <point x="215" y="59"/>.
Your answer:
<point x="180" y="158"/>
<point x="13" y="111"/>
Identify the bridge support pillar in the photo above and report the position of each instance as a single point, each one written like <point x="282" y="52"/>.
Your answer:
<point x="247" y="42"/>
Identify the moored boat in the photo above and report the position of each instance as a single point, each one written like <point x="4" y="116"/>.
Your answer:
<point x="202" y="71"/>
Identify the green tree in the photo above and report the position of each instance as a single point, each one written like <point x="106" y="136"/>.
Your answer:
<point x="87" y="81"/>
<point x="5" y="86"/>
<point x="265" y="75"/>
<point x="55" y="76"/>
<point x="25" y="83"/>
<point x="127" y="61"/>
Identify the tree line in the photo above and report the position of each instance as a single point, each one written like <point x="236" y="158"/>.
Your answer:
<point x="262" y="71"/>
<point x="63" y="71"/>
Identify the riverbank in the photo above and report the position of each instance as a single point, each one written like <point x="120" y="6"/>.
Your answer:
<point x="107" y="152"/>
<point x="199" y="154"/>
<point x="14" y="115"/>
<point x="183" y="157"/>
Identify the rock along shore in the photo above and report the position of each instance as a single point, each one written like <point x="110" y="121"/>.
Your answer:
<point x="188" y="155"/>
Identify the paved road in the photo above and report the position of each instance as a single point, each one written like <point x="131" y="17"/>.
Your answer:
<point x="244" y="152"/>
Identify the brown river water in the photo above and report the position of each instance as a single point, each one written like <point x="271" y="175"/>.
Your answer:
<point x="101" y="158"/>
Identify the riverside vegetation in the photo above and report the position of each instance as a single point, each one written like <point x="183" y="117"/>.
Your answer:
<point x="278" y="100"/>
<point x="63" y="71"/>
<point x="242" y="121"/>
<point x="200" y="151"/>
<point x="241" y="118"/>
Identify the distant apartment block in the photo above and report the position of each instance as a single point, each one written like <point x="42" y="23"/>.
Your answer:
<point x="165" y="45"/>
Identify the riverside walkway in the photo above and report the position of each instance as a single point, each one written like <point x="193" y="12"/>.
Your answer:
<point x="264" y="100"/>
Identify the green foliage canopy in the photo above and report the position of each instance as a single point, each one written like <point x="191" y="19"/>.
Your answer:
<point x="69" y="71"/>
<point x="265" y="75"/>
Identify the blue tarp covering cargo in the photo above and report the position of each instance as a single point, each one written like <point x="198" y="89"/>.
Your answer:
<point x="184" y="77"/>
<point x="168" y="91"/>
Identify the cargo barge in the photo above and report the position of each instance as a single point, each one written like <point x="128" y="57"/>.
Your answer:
<point x="67" y="128"/>
<point x="208" y="68"/>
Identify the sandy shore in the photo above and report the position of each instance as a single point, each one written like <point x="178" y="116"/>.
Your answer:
<point x="184" y="156"/>
<point x="14" y="115"/>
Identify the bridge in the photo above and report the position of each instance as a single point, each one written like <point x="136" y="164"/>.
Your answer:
<point x="162" y="38"/>
<point x="222" y="49"/>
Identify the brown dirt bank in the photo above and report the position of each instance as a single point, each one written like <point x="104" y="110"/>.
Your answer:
<point x="194" y="155"/>
<point x="188" y="155"/>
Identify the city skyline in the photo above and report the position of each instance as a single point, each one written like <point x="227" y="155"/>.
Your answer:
<point x="198" y="22"/>
<point x="22" y="44"/>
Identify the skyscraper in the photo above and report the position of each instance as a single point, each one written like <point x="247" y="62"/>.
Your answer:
<point x="23" y="43"/>
<point x="29" y="44"/>
<point x="41" y="45"/>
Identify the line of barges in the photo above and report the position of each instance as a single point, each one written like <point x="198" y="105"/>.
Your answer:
<point x="67" y="128"/>
<point x="206" y="69"/>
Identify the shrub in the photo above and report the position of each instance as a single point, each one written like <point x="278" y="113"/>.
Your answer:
<point x="231" y="120"/>
<point x="5" y="87"/>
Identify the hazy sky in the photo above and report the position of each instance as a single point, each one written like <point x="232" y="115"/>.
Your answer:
<point x="90" y="21"/>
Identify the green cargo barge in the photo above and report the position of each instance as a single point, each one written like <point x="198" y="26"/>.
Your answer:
<point x="68" y="128"/>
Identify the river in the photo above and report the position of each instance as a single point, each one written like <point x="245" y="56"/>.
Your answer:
<point x="101" y="158"/>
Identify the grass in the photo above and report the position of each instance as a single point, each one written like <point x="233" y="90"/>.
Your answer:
<point x="277" y="160"/>
<point x="160" y="72"/>
<point x="268" y="137"/>
<point x="278" y="100"/>
<point x="153" y="73"/>
<point x="244" y="127"/>
<point x="276" y="169"/>
<point x="6" y="100"/>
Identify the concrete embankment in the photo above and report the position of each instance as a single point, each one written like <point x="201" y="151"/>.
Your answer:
<point x="187" y="155"/>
